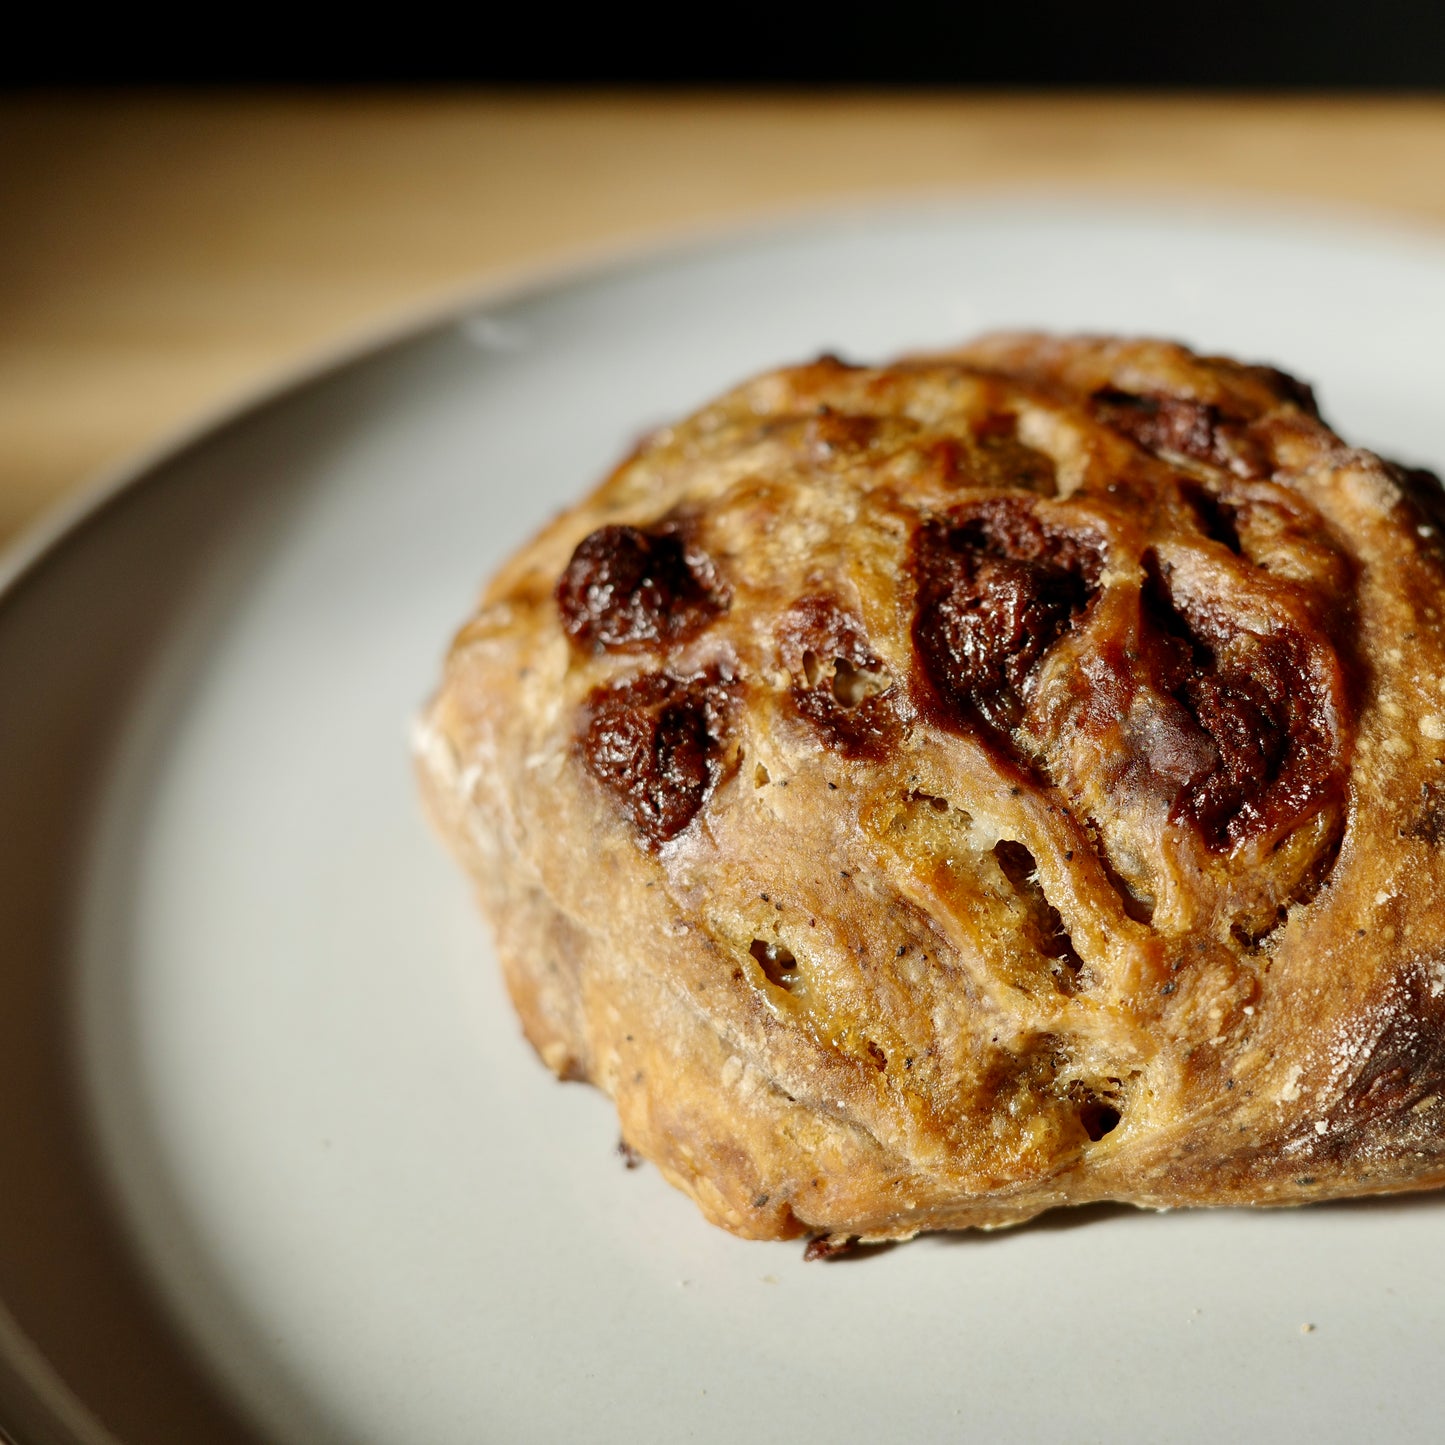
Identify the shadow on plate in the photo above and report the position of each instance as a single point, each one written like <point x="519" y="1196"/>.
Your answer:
<point x="1084" y="1216"/>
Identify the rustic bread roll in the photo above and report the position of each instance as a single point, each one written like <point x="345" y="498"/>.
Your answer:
<point x="923" y="796"/>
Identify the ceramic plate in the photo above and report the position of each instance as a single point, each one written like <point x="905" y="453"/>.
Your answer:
<point x="278" y="1165"/>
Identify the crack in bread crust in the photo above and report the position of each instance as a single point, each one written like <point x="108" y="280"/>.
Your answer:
<point x="922" y="795"/>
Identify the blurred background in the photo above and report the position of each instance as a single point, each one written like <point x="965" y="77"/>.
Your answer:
<point x="1227" y="43"/>
<point x="184" y="215"/>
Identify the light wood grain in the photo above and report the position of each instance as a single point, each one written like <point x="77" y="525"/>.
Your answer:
<point x="161" y="254"/>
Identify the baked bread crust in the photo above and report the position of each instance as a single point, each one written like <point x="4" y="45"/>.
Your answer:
<point x="925" y="795"/>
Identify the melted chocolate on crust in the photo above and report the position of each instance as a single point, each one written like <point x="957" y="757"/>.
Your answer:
<point x="996" y="589"/>
<point x="627" y="590"/>
<point x="840" y="684"/>
<point x="1250" y="715"/>
<point x="1158" y="424"/>
<point x="653" y="742"/>
<point x="1243" y="737"/>
<point x="1181" y="426"/>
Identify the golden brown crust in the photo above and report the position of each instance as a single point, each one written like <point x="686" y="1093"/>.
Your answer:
<point x="925" y="795"/>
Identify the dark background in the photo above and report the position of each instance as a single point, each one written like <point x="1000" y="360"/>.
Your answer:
<point x="1304" y="44"/>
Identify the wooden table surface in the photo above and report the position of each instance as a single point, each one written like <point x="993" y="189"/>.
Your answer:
<point x="161" y="254"/>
